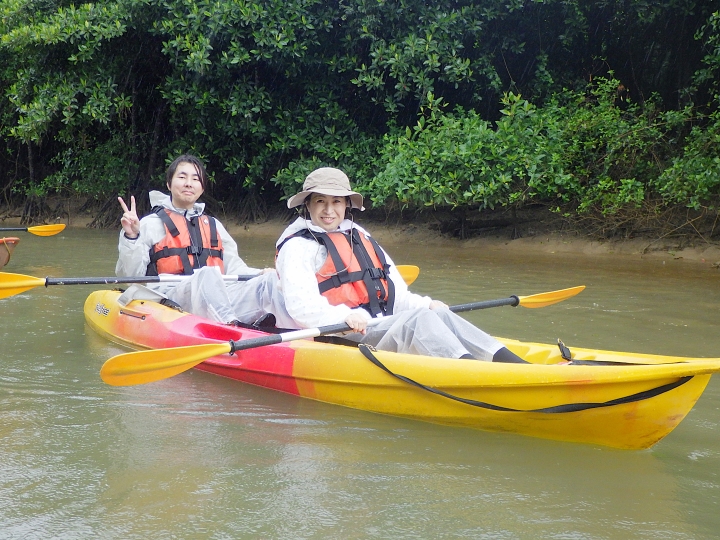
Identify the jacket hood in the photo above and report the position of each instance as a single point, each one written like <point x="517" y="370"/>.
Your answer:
<point x="158" y="198"/>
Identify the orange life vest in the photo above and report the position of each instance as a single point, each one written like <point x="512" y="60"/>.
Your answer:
<point x="354" y="266"/>
<point x="188" y="244"/>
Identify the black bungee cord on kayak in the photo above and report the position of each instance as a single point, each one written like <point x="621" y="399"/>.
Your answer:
<point x="367" y="351"/>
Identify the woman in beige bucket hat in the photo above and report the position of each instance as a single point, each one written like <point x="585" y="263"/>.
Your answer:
<point x="332" y="271"/>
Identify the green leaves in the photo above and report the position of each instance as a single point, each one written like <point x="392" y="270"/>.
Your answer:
<point x="60" y="77"/>
<point x="579" y="150"/>
<point x="693" y="178"/>
<point x="452" y="104"/>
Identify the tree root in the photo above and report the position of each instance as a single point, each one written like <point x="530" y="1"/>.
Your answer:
<point x="34" y="211"/>
<point x="655" y="221"/>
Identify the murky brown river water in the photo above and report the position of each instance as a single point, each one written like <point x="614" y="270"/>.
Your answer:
<point x="199" y="456"/>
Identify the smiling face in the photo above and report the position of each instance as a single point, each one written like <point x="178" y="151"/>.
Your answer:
<point x="326" y="211"/>
<point x="185" y="186"/>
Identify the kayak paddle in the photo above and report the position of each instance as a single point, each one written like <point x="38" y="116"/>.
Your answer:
<point x="409" y="272"/>
<point x="12" y="284"/>
<point x="39" y="230"/>
<point x="153" y="365"/>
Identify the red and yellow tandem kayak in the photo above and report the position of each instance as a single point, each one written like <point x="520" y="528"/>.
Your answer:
<point x="7" y="245"/>
<point x="615" y="399"/>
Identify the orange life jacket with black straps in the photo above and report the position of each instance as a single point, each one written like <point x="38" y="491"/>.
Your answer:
<point x="188" y="244"/>
<point x="355" y="272"/>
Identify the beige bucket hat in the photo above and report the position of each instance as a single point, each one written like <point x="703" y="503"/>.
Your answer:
<point x="328" y="181"/>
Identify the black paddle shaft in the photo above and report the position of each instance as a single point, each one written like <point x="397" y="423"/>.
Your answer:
<point x="251" y="343"/>
<point x="115" y="280"/>
<point x="236" y="346"/>
<point x="511" y="301"/>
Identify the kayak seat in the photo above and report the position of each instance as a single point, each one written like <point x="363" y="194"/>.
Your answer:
<point x="171" y="304"/>
<point x="266" y="323"/>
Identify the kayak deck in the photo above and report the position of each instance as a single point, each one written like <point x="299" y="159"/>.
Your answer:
<point x="632" y="403"/>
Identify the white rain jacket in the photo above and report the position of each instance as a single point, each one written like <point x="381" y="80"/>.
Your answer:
<point x="204" y="293"/>
<point x="134" y="255"/>
<point x="300" y="259"/>
<point x="414" y="328"/>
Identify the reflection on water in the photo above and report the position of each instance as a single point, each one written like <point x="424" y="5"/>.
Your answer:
<point x="200" y="456"/>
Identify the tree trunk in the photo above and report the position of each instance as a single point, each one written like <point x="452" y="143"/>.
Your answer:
<point x="157" y="128"/>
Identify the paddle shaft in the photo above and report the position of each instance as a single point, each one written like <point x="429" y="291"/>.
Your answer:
<point x="3" y="229"/>
<point x="408" y="272"/>
<point x="12" y="284"/>
<point x="510" y="301"/>
<point x="342" y="327"/>
<point x="134" y="279"/>
<point x="147" y="366"/>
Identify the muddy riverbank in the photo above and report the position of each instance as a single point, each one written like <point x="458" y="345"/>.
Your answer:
<point x="424" y="234"/>
<point x="537" y="236"/>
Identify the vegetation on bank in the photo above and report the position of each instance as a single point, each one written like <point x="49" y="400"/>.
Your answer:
<point x="606" y="113"/>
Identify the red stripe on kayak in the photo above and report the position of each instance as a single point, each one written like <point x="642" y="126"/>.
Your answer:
<point x="270" y="367"/>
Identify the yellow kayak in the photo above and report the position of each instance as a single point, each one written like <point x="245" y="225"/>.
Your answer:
<point x="622" y="400"/>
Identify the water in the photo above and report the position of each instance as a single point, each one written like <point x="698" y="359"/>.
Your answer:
<point x="198" y="456"/>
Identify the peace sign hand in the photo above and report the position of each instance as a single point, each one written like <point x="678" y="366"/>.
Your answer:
<point x="129" y="220"/>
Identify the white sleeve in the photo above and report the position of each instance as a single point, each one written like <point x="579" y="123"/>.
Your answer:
<point x="297" y="264"/>
<point x="134" y="255"/>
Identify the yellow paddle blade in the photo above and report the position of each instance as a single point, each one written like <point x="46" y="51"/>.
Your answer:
<point x="46" y="230"/>
<point x="549" y="298"/>
<point x="147" y="366"/>
<point x="408" y="272"/>
<point x="12" y="284"/>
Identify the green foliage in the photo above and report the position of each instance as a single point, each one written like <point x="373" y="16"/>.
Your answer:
<point x="693" y="178"/>
<point x="101" y="170"/>
<point x="44" y="92"/>
<point x="447" y="159"/>
<point x="458" y="159"/>
<point x="709" y="35"/>
<point x="611" y="149"/>
<point x="414" y="50"/>
<point x="579" y="150"/>
<point x="356" y="159"/>
<point x="447" y="103"/>
<point x="73" y="89"/>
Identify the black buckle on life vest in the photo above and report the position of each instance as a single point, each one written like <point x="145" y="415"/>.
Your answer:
<point x="194" y="250"/>
<point x="340" y="279"/>
<point x="376" y="273"/>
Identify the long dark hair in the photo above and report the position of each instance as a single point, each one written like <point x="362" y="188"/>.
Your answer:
<point x="187" y="158"/>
